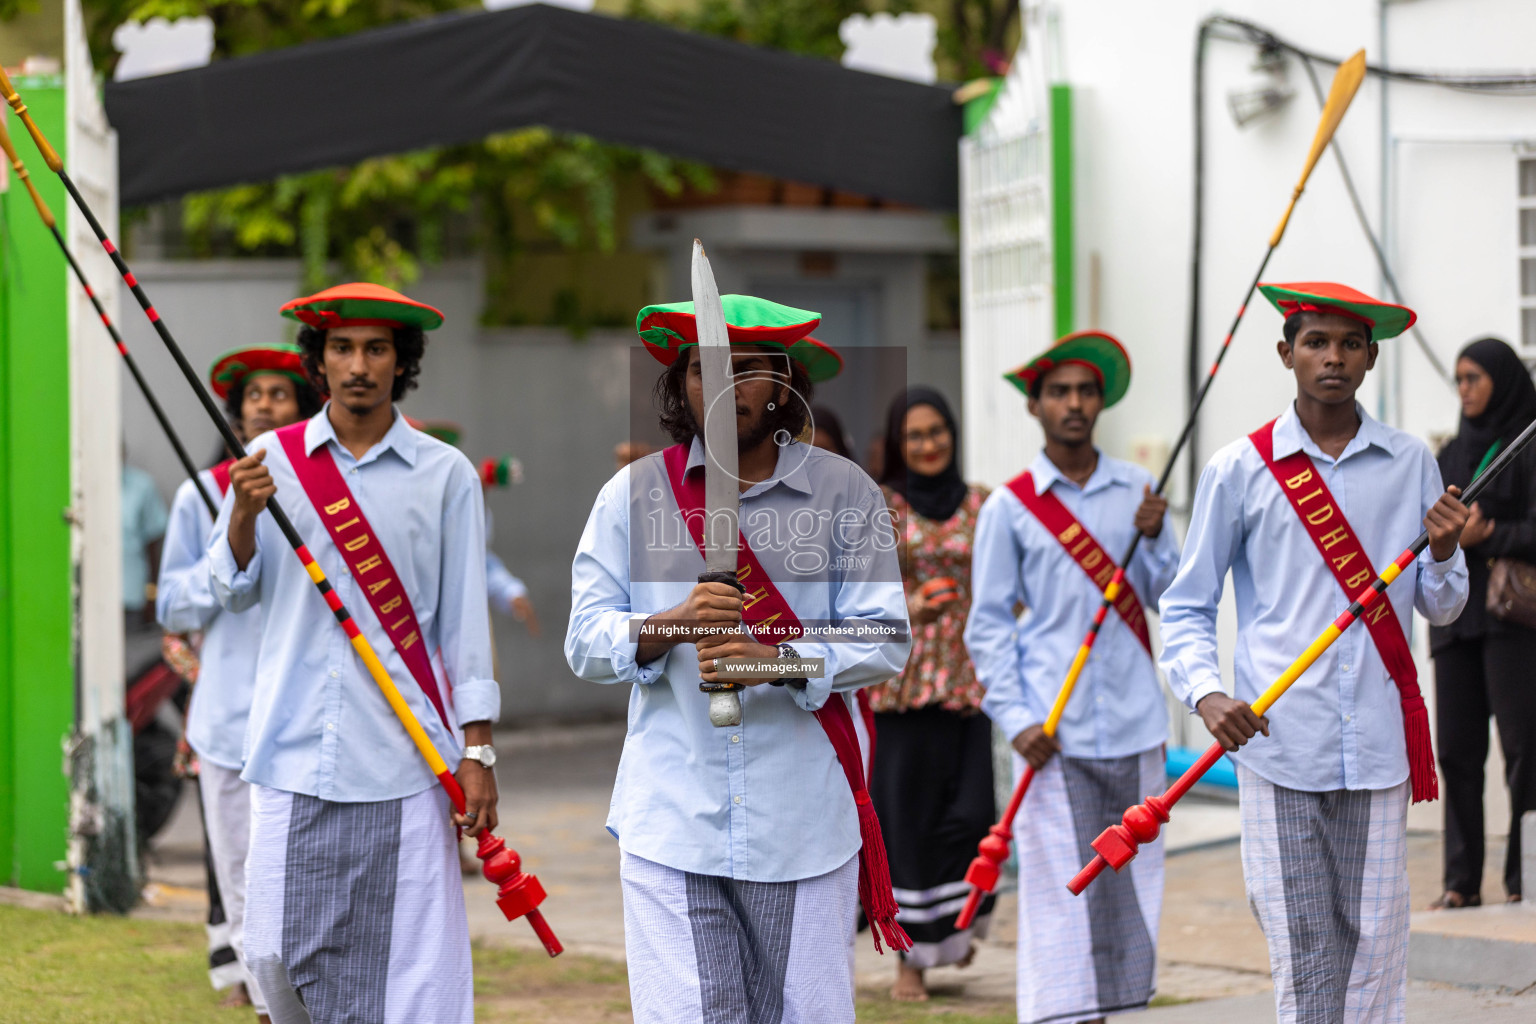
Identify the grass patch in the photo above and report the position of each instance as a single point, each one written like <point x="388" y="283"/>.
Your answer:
<point x="57" y="969"/>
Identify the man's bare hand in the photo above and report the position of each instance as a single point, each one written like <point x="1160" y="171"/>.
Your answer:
<point x="252" y="483"/>
<point x="479" y="785"/>
<point x="1232" y="722"/>
<point x="708" y="608"/>
<point x="730" y="645"/>
<point x="522" y="611"/>
<point x="1036" y="746"/>
<point x="1478" y="528"/>
<point x="1150" y="513"/>
<point x="1445" y="521"/>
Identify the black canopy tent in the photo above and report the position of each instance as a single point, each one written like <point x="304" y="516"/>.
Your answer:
<point x="460" y="77"/>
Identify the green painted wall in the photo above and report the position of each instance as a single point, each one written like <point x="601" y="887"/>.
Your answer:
<point x="1062" y="253"/>
<point x="37" y="703"/>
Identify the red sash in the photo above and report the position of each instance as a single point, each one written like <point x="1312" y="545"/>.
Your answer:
<point x="358" y="544"/>
<point x="1084" y="549"/>
<point x="220" y="474"/>
<point x="764" y="606"/>
<point x="1336" y="542"/>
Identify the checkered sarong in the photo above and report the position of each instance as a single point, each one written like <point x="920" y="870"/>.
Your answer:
<point x="355" y="911"/>
<point x="1081" y="957"/>
<point x="1327" y="877"/>
<point x="723" y="951"/>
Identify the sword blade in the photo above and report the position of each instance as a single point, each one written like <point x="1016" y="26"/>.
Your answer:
<point x="722" y="493"/>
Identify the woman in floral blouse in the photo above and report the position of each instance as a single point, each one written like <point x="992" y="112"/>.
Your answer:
<point x="932" y="781"/>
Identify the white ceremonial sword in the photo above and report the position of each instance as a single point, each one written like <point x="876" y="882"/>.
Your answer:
<point x="722" y="491"/>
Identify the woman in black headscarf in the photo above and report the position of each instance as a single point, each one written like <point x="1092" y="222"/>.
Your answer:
<point x="932" y="779"/>
<point x="1482" y="663"/>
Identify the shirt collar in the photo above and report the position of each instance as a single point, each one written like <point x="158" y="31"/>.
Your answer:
<point x="1106" y="473"/>
<point x="790" y="470"/>
<point x="401" y="437"/>
<point x="1290" y="437"/>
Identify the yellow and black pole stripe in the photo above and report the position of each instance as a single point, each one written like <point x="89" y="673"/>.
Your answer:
<point x="1118" y="844"/>
<point x="90" y="293"/>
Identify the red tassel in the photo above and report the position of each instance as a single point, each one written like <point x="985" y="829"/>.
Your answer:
<point x="1421" y="754"/>
<point x="875" y="894"/>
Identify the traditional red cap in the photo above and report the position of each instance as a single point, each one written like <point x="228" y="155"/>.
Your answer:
<point x="361" y="304"/>
<point x="1383" y="318"/>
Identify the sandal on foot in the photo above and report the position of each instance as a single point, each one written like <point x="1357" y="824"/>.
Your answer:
<point x="1453" y="900"/>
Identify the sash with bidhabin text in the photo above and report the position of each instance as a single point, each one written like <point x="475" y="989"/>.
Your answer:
<point x="763" y="606"/>
<point x="1084" y="549"/>
<point x="358" y="544"/>
<point x="1346" y="559"/>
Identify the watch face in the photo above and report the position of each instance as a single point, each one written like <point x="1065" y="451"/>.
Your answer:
<point x="487" y="756"/>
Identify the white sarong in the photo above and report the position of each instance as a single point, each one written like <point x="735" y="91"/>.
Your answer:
<point x="355" y="911"/>
<point x="721" y="951"/>
<point x="226" y="802"/>
<point x="1327" y="877"/>
<point x="1082" y="957"/>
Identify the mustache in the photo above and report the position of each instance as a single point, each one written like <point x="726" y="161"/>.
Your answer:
<point x="358" y="382"/>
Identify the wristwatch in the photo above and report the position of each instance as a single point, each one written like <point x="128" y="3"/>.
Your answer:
<point x="796" y="682"/>
<point x="484" y="753"/>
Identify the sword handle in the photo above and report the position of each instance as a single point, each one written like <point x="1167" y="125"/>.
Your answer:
<point x="724" y="698"/>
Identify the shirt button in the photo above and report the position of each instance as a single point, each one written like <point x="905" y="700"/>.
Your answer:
<point x="736" y="800"/>
<point x="330" y="726"/>
<point x="736" y="739"/>
<point x="1348" y="718"/>
<point x="335" y="675"/>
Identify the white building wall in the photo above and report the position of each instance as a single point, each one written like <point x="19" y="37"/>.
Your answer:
<point x="1451" y="235"/>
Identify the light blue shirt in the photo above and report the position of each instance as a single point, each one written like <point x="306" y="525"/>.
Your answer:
<point x="766" y="800"/>
<point x="1117" y="707"/>
<point x="319" y="724"/>
<point x="221" y="701"/>
<point x="143" y="523"/>
<point x="1340" y="725"/>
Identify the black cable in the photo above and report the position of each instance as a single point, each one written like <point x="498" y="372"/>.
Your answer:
<point x="1365" y="225"/>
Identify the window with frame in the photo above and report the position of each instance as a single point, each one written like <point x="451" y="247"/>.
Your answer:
<point x="1527" y="211"/>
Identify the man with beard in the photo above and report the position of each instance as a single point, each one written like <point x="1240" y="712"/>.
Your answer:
<point x="1047" y="541"/>
<point x="740" y="846"/>
<point x="1303" y="512"/>
<point x="263" y="387"/>
<point x="355" y="906"/>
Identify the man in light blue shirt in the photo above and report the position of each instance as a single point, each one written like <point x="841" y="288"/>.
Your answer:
<point x="264" y="388"/>
<point x="1323" y="783"/>
<point x="144" y="520"/>
<point x="355" y="897"/>
<point x="740" y="845"/>
<point x="1046" y="543"/>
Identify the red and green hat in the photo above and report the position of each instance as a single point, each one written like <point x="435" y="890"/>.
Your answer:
<point x="1384" y="319"/>
<point x="1098" y="351"/>
<point x="445" y="431"/>
<point x="361" y="304"/>
<point x="668" y="328"/>
<point x="233" y="367"/>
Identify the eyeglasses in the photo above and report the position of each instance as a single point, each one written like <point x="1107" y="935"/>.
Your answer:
<point x="938" y="435"/>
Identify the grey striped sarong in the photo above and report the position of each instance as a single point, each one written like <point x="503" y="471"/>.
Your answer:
<point x="355" y="911"/>
<point x="1327" y="877"/>
<point x="723" y="951"/>
<point x="1081" y="957"/>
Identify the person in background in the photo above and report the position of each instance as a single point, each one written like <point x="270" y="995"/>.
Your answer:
<point x="1482" y="663"/>
<point x="828" y="434"/>
<point x="932" y="781"/>
<point x="264" y="387"/>
<point x="144" y="519"/>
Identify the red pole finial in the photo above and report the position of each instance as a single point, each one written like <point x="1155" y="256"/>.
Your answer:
<point x="517" y="894"/>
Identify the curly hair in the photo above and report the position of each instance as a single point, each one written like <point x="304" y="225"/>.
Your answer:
<point x="671" y="398"/>
<point x="410" y="345"/>
<point x="308" y="398"/>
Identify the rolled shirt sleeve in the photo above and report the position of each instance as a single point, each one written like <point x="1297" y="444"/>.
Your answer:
<point x="1187" y="611"/>
<point x="464" y="619"/>
<point x="598" y="643"/>
<point x="991" y="631"/>
<point x="185" y="601"/>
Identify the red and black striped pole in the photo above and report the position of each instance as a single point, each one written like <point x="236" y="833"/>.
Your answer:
<point x="519" y="894"/>
<point x="90" y="293"/>
<point x="992" y="851"/>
